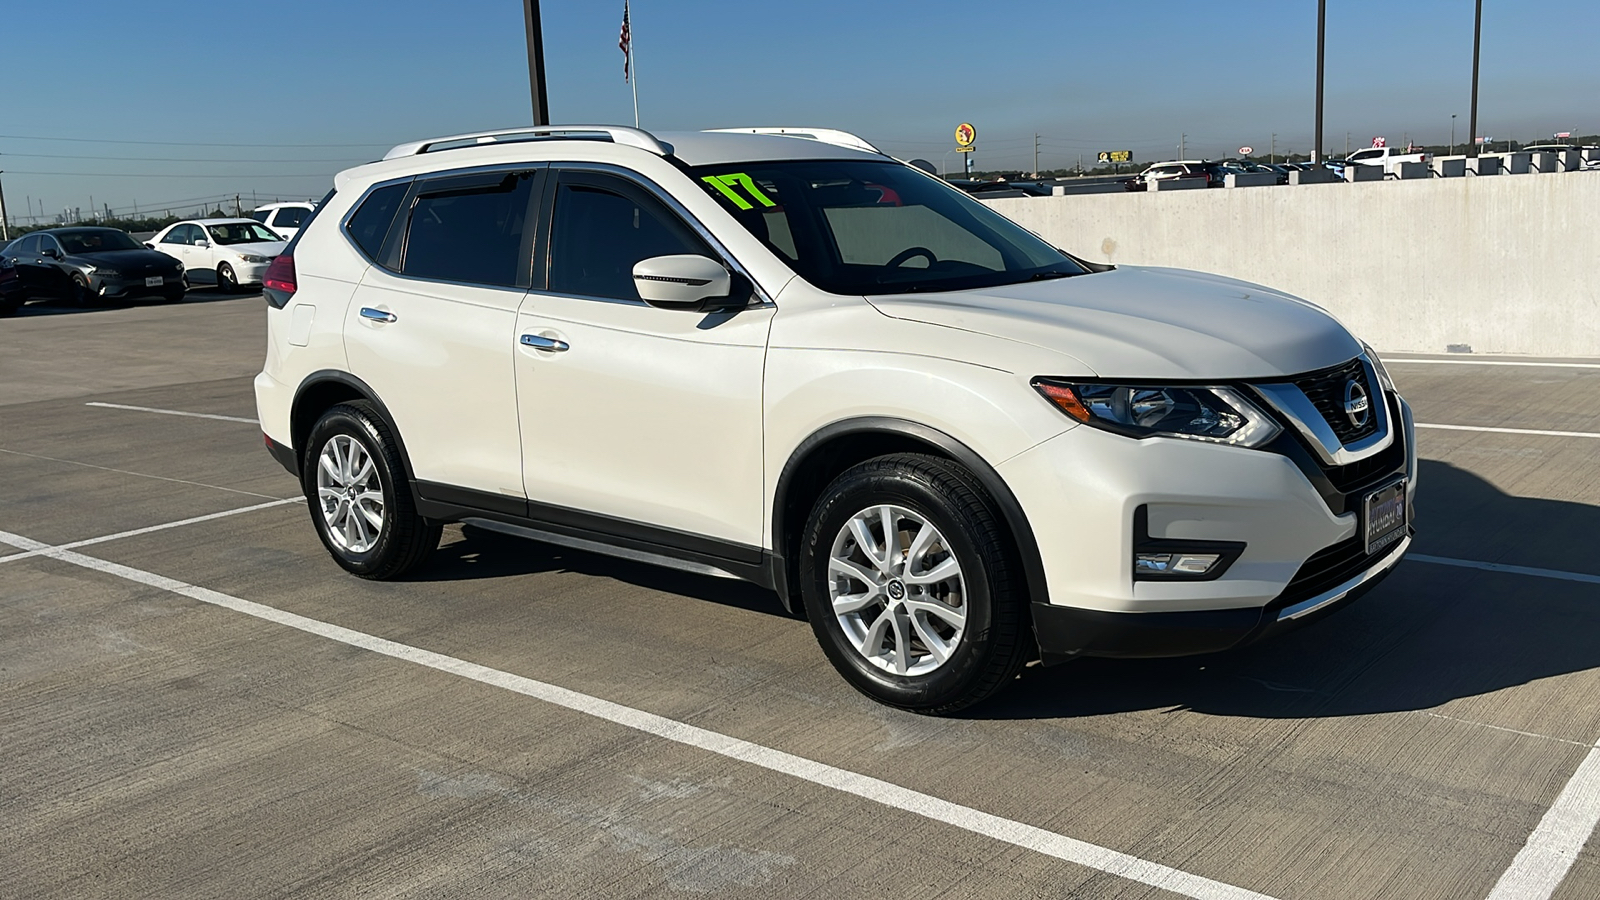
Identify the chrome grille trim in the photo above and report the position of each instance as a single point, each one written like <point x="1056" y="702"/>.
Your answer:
<point x="1292" y="403"/>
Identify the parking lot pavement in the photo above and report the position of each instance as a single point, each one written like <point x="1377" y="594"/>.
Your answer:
<point x="215" y="708"/>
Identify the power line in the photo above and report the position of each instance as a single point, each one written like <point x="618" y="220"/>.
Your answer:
<point x="27" y="137"/>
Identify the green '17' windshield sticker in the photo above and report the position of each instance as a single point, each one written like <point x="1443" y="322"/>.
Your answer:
<point x="728" y="185"/>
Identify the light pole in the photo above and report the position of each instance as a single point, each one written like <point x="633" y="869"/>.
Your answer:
<point x="1477" y="42"/>
<point x="1322" y="33"/>
<point x="1452" y="134"/>
<point x="5" y="220"/>
<point x="541" y="103"/>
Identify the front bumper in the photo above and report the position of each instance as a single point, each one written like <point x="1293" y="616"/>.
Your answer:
<point x="133" y="286"/>
<point x="1297" y="520"/>
<point x="250" y="273"/>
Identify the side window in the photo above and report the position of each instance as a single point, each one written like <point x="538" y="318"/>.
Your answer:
<point x="260" y="215"/>
<point x="289" y="217"/>
<point x="46" y="242"/>
<point x="602" y="226"/>
<point x="369" y="225"/>
<point x="28" y="246"/>
<point x="470" y="230"/>
<point x="178" y="235"/>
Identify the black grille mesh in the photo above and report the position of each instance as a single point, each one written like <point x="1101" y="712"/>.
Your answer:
<point x="1325" y="390"/>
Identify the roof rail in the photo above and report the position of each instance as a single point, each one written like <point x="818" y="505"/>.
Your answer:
<point x="631" y="137"/>
<point x="824" y="135"/>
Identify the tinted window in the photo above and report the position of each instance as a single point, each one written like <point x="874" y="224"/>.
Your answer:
<point x="46" y="242"/>
<point x="178" y="235"/>
<point x="599" y="234"/>
<point x="469" y="231"/>
<point x="370" y="224"/>
<point x="876" y="228"/>
<point x="28" y="246"/>
<point x="290" y="217"/>
<point x="242" y="233"/>
<point x="98" y="241"/>
<point x="260" y="215"/>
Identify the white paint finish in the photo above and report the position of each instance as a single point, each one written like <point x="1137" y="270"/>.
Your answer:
<point x="1554" y="845"/>
<point x="1508" y="569"/>
<point x="443" y="369"/>
<point x="1530" y="431"/>
<point x="152" y="529"/>
<point x="976" y="821"/>
<point x="172" y="412"/>
<point x="1505" y="265"/>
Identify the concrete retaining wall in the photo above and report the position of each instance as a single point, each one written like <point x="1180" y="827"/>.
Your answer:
<point x="1504" y="265"/>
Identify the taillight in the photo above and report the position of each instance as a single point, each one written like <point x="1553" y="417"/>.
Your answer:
<point x="279" y="283"/>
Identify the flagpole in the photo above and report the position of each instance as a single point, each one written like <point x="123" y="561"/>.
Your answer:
<point x="634" y="79"/>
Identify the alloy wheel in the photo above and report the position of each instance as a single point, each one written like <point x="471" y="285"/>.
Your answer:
<point x="349" y="494"/>
<point x="897" y="590"/>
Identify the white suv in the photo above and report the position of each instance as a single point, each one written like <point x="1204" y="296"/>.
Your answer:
<point x="785" y="356"/>
<point x="284" y="218"/>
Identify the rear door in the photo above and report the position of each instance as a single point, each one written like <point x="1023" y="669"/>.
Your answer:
<point x="633" y="415"/>
<point x="432" y="330"/>
<point x="177" y="243"/>
<point x="25" y="253"/>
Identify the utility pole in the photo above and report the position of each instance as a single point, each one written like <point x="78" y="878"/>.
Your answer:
<point x="1452" y="134"/>
<point x="541" y="103"/>
<point x="1036" y="154"/>
<point x="238" y="210"/>
<point x="1322" y="35"/>
<point x="5" y="220"/>
<point x="1182" y="144"/>
<point x="1477" y="42"/>
<point x="1274" y="157"/>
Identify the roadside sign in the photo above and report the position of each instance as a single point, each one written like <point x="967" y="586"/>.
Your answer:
<point x="966" y="134"/>
<point x="1116" y="156"/>
<point x="1379" y="142"/>
<point x="1246" y="151"/>
<point x="1563" y="134"/>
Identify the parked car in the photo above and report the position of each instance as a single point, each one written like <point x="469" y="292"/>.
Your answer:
<point x="283" y="218"/>
<point x="1389" y="158"/>
<point x="11" y="295"/>
<point x="228" y="253"/>
<point x="1212" y="173"/>
<point x="798" y="361"/>
<point x="86" y="265"/>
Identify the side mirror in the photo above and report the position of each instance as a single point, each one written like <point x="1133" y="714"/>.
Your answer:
<point x="685" y="281"/>
<point x="202" y="243"/>
<point x="150" y="245"/>
<point x="52" y="253"/>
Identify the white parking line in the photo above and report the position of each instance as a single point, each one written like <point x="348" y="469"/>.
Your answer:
<point x="1008" y="831"/>
<point x="151" y="529"/>
<point x="1554" y="845"/>
<point x="173" y="412"/>
<point x="1502" y="567"/>
<point x="1487" y="362"/>
<point x="1572" y="434"/>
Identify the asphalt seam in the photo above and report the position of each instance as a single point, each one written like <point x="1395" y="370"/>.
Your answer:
<point x="73" y="462"/>
<point x="151" y="529"/>
<point x="865" y="787"/>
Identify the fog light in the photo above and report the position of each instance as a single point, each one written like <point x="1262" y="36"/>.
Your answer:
<point x="1175" y="563"/>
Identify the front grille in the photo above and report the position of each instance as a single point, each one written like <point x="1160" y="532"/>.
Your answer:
<point x="1328" y="569"/>
<point x="1325" y="389"/>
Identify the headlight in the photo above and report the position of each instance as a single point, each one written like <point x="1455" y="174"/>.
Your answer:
<point x="1383" y="373"/>
<point x="251" y="258"/>
<point x="1216" y="415"/>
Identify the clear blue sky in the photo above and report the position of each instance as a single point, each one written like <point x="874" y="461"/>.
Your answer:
<point x="353" y="78"/>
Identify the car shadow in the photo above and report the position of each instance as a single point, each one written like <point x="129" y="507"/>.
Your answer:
<point x="1429" y="634"/>
<point x="59" y="307"/>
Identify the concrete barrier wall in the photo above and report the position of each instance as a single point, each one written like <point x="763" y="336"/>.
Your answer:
<point x="1504" y="265"/>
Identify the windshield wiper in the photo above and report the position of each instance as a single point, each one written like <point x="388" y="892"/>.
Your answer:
<point x="1046" y="276"/>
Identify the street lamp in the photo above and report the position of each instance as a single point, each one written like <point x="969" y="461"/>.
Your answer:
<point x="1452" y="134"/>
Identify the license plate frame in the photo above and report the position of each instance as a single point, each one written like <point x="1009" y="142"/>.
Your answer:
<point x="1385" y="515"/>
<point x="155" y="281"/>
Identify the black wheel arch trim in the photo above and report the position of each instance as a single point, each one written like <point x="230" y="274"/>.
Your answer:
<point x="786" y="579"/>
<point x="335" y="376"/>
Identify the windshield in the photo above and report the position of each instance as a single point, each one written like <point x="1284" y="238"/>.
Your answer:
<point x="76" y="242"/>
<point x="242" y="233"/>
<point x="862" y="227"/>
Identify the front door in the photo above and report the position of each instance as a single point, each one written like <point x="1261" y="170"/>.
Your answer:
<point x="634" y="415"/>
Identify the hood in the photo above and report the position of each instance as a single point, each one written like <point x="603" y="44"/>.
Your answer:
<point x="128" y="258"/>
<point x="1139" y="323"/>
<point x="255" y="248"/>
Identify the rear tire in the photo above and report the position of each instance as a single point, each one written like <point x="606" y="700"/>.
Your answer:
<point x="10" y="307"/>
<point x="355" y="483"/>
<point x="933" y="620"/>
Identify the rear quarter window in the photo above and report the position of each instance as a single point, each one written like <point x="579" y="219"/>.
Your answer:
<point x="369" y="224"/>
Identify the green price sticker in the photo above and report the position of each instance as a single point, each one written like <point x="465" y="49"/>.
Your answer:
<point x="729" y="186"/>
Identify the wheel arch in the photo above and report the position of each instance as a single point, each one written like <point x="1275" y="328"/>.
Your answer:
<point x="829" y="451"/>
<point x="325" y="389"/>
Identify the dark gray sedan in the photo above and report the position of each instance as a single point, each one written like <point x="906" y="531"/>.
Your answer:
<point x="86" y="265"/>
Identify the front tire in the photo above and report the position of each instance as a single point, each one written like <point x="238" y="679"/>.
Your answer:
<point x="80" y="294"/>
<point x="911" y="585"/>
<point x="227" y="281"/>
<point x="355" y="484"/>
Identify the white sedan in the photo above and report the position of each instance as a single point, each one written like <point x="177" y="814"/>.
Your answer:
<point x="224" y="252"/>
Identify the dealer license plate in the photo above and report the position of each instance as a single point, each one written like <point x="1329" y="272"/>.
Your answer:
<point x="154" y="281"/>
<point x="1384" y="516"/>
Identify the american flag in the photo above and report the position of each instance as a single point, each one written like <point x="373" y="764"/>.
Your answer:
<point x="625" y="40"/>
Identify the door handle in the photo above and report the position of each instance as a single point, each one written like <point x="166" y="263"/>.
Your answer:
<point x="376" y="315"/>
<point x="540" y="342"/>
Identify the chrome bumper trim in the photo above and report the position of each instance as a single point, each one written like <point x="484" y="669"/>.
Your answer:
<point x="1307" y="607"/>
